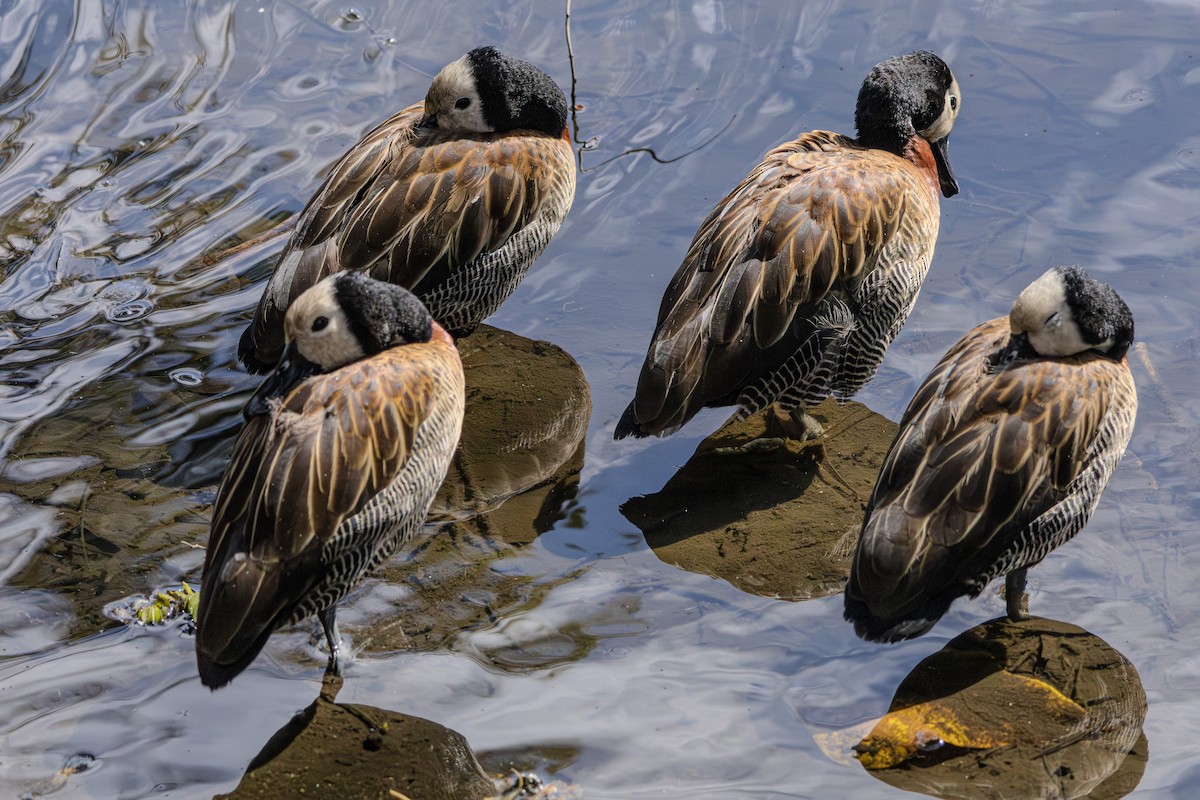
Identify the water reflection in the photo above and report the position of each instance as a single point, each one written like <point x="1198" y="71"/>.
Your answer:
<point x="107" y="533"/>
<point x="1038" y="704"/>
<point x="110" y="521"/>
<point x="779" y="522"/>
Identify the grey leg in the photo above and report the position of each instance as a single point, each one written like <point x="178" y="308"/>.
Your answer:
<point x="328" y="619"/>
<point x="1015" y="597"/>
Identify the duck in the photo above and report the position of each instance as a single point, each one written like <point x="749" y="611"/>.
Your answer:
<point x="343" y="447"/>
<point x="1000" y="457"/>
<point x="453" y="198"/>
<point x="799" y="279"/>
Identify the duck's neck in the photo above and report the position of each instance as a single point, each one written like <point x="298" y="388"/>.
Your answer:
<point x="918" y="151"/>
<point x="909" y="145"/>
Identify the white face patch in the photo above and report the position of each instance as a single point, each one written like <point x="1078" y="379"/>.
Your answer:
<point x="318" y="326"/>
<point x="1041" y="312"/>
<point x="453" y="99"/>
<point x="951" y="104"/>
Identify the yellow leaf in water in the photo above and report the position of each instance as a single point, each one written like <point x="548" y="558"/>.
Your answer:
<point x="150" y="615"/>
<point x="998" y="710"/>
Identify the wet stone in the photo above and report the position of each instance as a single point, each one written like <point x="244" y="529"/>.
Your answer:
<point x="774" y="517"/>
<point x="528" y="405"/>
<point x="354" y="751"/>
<point x="1041" y="704"/>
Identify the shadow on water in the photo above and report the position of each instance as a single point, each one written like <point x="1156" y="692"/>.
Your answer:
<point x="1038" y="704"/>
<point x="778" y="521"/>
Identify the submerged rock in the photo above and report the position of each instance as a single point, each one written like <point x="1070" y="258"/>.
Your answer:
<point x="528" y="406"/>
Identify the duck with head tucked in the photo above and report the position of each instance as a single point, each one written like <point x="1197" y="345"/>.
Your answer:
<point x="453" y="198"/>
<point x="343" y="449"/>
<point x="797" y="282"/>
<point x="1000" y="458"/>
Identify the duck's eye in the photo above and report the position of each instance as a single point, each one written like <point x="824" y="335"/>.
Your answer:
<point x="462" y="103"/>
<point x="319" y="324"/>
<point x="953" y="103"/>
<point x="1051" y="320"/>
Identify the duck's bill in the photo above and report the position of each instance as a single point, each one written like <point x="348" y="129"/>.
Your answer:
<point x="941" y="157"/>
<point x="291" y="371"/>
<point x="1017" y="347"/>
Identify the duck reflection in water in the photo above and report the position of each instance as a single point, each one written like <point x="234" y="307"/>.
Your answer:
<point x="1036" y="704"/>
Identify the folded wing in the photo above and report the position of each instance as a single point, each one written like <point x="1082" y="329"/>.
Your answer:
<point x="986" y="459"/>
<point x="282" y="541"/>
<point x="806" y="225"/>
<point x="411" y="205"/>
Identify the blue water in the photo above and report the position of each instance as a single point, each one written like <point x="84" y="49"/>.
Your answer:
<point x="135" y="137"/>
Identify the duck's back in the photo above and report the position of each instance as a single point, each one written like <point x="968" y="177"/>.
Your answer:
<point x="322" y="489"/>
<point x="456" y="217"/>
<point x="993" y="467"/>
<point x="823" y="234"/>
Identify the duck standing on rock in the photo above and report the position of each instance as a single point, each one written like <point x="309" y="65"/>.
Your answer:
<point x="343" y="449"/>
<point x="453" y="198"/>
<point x="1000" y="458"/>
<point x="801" y="277"/>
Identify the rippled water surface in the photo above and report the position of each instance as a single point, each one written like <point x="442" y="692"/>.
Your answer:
<point x="138" y="139"/>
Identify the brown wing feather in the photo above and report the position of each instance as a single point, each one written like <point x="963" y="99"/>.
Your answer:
<point x="978" y="457"/>
<point x="293" y="478"/>
<point x="810" y="219"/>
<point x="411" y="205"/>
<point x="424" y="198"/>
<point x="339" y="439"/>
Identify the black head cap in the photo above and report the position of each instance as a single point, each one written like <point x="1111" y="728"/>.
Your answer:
<point x="381" y="315"/>
<point x="1103" y="318"/>
<point x="516" y="94"/>
<point x="901" y="96"/>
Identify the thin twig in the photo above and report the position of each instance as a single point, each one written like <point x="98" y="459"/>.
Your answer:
<point x="590" y="143"/>
<point x="650" y="151"/>
<point x="574" y="104"/>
